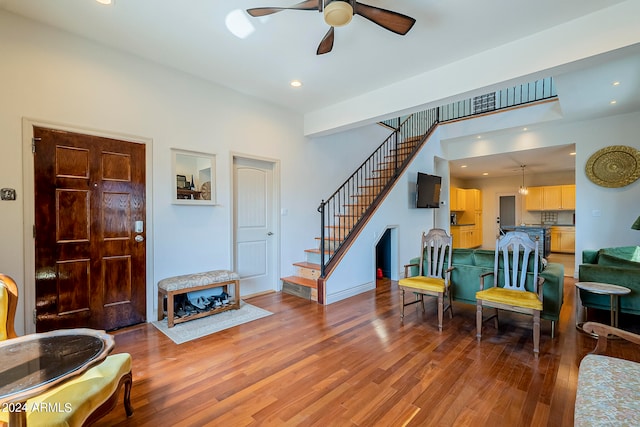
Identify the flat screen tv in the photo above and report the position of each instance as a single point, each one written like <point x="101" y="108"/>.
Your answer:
<point x="428" y="191"/>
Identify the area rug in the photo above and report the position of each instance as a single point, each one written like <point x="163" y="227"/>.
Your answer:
<point x="194" y="329"/>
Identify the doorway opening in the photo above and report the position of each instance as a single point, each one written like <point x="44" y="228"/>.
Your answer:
<point x="386" y="256"/>
<point x="506" y="212"/>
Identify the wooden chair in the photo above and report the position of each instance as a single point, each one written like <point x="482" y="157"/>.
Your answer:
<point x="8" y="304"/>
<point x="89" y="396"/>
<point x="433" y="278"/>
<point x="508" y="291"/>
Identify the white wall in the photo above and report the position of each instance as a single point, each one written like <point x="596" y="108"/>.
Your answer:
<point x="604" y="215"/>
<point x="58" y="78"/>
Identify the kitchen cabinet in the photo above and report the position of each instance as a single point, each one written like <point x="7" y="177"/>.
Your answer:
<point x="551" y="198"/>
<point x="533" y="200"/>
<point x="464" y="236"/>
<point x="568" y="197"/>
<point x="468" y="232"/>
<point x="457" y="199"/>
<point x="563" y="239"/>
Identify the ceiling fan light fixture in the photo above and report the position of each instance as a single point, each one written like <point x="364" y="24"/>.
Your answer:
<point x="338" y="13"/>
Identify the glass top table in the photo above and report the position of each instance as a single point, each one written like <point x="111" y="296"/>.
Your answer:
<point x="33" y="363"/>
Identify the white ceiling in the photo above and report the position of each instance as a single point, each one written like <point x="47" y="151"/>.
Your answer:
<point x="193" y="36"/>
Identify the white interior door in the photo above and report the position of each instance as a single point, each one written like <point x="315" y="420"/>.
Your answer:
<point x="255" y="234"/>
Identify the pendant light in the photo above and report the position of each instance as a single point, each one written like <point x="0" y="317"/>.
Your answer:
<point x="523" y="190"/>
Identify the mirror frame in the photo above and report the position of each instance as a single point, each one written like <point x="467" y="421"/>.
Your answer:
<point x="188" y="164"/>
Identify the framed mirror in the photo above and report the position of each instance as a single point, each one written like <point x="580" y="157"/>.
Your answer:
<point x="193" y="177"/>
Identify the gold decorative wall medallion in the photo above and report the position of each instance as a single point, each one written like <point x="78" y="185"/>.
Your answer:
<point x="614" y="166"/>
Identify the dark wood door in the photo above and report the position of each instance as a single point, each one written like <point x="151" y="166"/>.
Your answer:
<point x="90" y="262"/>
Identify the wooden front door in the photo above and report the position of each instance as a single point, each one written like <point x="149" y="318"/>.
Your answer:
<point x="90" y="260"/>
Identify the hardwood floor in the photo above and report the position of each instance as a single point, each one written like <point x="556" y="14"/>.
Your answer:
<point x="353" y="363"/>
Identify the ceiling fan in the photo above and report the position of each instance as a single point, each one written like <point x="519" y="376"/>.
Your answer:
<point x="339" y="12"/>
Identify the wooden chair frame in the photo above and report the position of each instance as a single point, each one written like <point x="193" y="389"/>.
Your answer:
<point x="513" y="243"/>
<point x="437" y="245"/>
<point x="12" y="290"/>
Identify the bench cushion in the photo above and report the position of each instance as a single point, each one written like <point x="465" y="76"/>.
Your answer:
<point x="608" y="392"/>
<point x="71" y="403"/>
<point x="197" y="279"/>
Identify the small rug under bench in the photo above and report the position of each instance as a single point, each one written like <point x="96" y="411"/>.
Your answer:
<point x="197" y="328"/>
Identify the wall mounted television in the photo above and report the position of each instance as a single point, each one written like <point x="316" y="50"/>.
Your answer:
<point x="428" y="191"/>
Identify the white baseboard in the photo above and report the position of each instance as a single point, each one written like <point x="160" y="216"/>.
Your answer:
<point x="347" y="293"/>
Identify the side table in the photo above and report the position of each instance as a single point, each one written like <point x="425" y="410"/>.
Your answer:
<point x="614" y="292"/>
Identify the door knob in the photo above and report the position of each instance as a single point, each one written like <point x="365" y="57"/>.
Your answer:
<point x="139" y="238"/>
<point x="269" y="234"/>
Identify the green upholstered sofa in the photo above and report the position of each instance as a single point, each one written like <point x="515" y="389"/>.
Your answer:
<point x="469" y="264"/>
<point x="617" y="266"/>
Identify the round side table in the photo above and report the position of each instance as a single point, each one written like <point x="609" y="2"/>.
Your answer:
<point x="614" y="292"/>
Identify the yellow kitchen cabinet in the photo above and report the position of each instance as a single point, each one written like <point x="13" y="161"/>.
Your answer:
<point x="533" y="200"/>
<point x="569" y="197"/>
<point x="468" y="232"/>
<point x="457" y="199"/>
<point x="563" y="239"/>
<point x="477" y="229"/>
<point x="551" y="198"/>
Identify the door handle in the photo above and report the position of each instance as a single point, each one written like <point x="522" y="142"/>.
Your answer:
<point x="269" y="234"/>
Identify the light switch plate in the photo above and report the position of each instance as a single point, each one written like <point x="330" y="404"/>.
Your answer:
<point x="7" y="194"/>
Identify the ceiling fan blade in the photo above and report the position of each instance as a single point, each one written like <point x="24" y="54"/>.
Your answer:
<point x="263" y="11"/>
<point x="326" y="44"/>
<point x="392" y="21"/>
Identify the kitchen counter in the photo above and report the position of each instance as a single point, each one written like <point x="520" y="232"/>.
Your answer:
<point x="540" y="231"/>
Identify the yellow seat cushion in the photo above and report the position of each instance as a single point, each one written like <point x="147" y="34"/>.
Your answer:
<point x="69" y="404"/>
<point x="424" y="283"/>
<point x="524" y="299"/>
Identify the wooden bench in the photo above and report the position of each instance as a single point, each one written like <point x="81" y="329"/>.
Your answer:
<point x="172" y="286"/>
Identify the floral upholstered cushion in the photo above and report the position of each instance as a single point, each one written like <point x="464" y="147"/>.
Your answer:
<point x="608" y="392"/>
<point x="197" y="279"/>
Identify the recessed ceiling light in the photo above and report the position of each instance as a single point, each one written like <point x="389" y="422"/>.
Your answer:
<point x="295" y="83"/>
<point x="613" y="101"/>
<point x="485" y="173"/>
<point x="616" y="83"/>
<point x="479" y="136"/>
<point x="525" y="129"/>
<point x="105" y="1"/>
<point x="463" y="166"/>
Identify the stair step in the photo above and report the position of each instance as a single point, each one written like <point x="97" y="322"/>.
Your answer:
<point x="316" y="251"/>
<point x="300" y="287"/>
<point x="307" y="264"/>
<point x="302" y="281"/>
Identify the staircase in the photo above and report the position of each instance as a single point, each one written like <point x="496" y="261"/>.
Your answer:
<point x="345" y="212"/>
<point x="304" y="283"/>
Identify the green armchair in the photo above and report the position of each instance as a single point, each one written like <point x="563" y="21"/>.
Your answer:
<point x="617" y="266"/>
